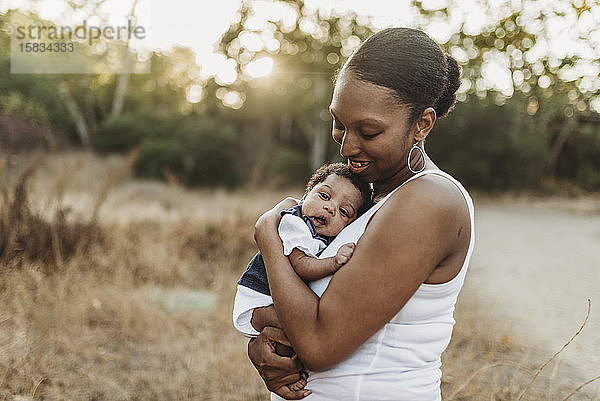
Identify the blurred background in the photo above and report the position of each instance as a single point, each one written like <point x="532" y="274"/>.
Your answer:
<point x="128" y="200"/>
<point x="238" y="94"/>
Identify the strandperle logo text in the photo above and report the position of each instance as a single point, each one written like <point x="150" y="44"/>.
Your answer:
<point x="81" y="32"/>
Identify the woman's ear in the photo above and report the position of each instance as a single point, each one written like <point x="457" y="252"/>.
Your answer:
<point x="425" y="124"/>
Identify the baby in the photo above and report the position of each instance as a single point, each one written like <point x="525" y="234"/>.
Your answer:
<point x="334" y="198"/>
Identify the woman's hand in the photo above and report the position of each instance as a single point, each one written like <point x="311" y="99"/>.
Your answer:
<point x="282" y="375"/>
<point x="266" y="225"/>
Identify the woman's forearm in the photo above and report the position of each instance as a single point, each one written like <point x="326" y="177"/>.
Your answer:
<point x="296" y="306"/>
<point x="295" y="303"/>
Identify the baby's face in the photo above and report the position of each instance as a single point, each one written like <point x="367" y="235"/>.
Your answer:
<point x="332" y="204"/>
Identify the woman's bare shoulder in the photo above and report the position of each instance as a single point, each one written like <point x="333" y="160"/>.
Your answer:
<point x="430" y="207"/>
<point x="430" y="195"/>
<point x="433" y="209"/>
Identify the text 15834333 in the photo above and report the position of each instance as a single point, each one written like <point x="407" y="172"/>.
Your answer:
<point x="41" y="47"/>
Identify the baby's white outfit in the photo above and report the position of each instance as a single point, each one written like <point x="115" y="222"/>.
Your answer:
<point x="295" y="231"/>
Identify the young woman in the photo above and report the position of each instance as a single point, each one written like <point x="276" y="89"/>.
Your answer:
<point x="377" y="328"/>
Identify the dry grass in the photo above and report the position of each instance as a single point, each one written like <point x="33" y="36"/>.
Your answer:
<point x="84" y="248"/>
<point x="483" y="362"/>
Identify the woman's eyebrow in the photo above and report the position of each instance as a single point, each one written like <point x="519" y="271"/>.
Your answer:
<point x="368" y="120"/>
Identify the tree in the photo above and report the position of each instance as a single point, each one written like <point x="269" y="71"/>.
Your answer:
<point x="306" y="46"/>
<point x="553" y="90"/>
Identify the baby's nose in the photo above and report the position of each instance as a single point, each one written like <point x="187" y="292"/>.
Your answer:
<point x="330" y="208"/>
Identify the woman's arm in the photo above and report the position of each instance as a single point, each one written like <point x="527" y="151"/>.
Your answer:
<point x="404" y="243"/>
<point x="276" y="369"/>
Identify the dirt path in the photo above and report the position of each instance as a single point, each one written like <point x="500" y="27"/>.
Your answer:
<point x="535" y="266"/>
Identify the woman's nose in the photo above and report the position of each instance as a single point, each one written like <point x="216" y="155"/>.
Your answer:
<point x="348" y="145"/>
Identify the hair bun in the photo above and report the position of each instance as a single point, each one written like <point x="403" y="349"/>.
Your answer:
<point x="447" y="99"/>
<point x="412" y="65"/>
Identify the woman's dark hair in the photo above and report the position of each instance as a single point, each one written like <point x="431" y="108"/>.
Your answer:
<point x="412" y="65"/>
<point x="343" y="170"/>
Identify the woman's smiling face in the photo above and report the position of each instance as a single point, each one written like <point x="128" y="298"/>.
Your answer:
<point x="373" y="129"/>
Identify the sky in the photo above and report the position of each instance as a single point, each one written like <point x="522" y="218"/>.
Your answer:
<point x="198" y="24"/>
<point x="193" y="23"/>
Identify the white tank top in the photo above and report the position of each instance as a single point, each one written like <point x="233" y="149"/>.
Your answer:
<point x="402" y="360"/>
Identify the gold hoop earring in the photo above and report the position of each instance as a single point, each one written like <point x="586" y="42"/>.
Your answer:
<point x="416" y="146"/>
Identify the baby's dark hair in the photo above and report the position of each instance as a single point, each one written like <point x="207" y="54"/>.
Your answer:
<point x="343" y="170"/>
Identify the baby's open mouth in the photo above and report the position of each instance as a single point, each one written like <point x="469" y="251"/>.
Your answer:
<point x="318" y="221"/>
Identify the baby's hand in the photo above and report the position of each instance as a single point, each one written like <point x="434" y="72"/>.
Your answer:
<point x="343" y="254"/>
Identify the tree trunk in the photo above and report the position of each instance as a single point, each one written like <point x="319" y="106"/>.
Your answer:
<point x="319" y="145"/>
<point x="76" y="114"/>
<point x="565" y="131"/>
<point x="285" y="128"/>
<point x="120" y="91"/>
<point x="318" y="134"/>
<point x="123" y="80"/>
<point x="318" y="142"/>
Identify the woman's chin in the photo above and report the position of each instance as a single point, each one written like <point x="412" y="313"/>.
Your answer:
<point x="369" y="175"/>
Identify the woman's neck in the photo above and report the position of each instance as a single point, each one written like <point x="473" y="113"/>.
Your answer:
<point x="384" y="187"/>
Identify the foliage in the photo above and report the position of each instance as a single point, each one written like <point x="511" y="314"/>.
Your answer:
<point x="306" y="47"/>
<point x="485" y="148"/>
<point x="290" y="165"/>
<point x="25" y="123"/>
<point x="582" y="158"/>
<point x="501" y="137"/>
<point x="119" y="134"/>
<point x="195" y="152"/>
<point x="275" y="129"/>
